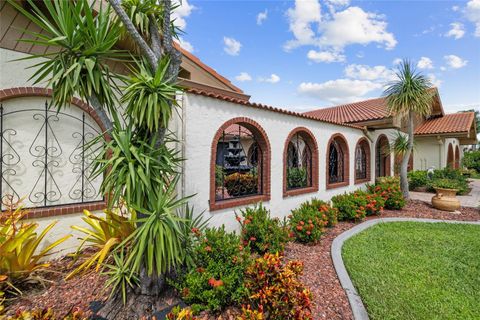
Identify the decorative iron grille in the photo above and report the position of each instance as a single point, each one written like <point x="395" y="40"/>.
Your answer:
<point x="360" y="162"/>
<point x="299" y="163"/>
<point x="335" y="163"/>
<point x="238" y="171"/>
<point x="46" y="156"/>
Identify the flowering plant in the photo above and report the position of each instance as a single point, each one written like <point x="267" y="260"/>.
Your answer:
<point x="307" y="223"/>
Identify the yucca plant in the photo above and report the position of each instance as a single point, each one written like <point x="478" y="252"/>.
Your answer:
<point x="104" y="235"/>
<point x="148" y="95"/>
<point x="120" y="277"/>
<point x="133" y="165"/>
<point x="85" y="41"/>
<point x="20" y="252"/>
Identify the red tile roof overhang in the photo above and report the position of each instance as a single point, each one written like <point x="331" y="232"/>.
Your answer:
<point x="461" y="125"/>
<point x="266" y="107"/>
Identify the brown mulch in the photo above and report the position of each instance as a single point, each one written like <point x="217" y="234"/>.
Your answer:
<point x="330" y="301"/>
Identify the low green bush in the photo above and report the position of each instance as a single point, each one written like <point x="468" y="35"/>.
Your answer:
<point x="446" y="184"/>
<point x="217" y="279"/>
<point x="471" y="160"/>
<point x="260" y="232"/>
<point x="460" y="180"/>
<point x="351" y="206"/>
<point x="327" y="212"/>
<point x="418" y="179"/>
<point x="389" y="189"/>
<point x="296" y="177"/>
<point x="306" y="224"/>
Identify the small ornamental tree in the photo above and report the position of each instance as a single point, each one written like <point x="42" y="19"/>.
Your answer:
<point x="136" y="162"/>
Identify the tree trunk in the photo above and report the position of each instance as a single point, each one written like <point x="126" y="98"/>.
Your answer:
<point x="100" y="111"/>
<point x="406" y="158"/>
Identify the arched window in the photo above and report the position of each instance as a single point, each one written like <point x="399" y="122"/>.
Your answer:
<point x="240" y="165"/>
<point x="457" y="157"/>
<point x="450" y="156"/>
<point x="382" y="157"/>
<point x="337" y="162"/>
<point x="300" y="163"/>
<point x="362" y="161"/>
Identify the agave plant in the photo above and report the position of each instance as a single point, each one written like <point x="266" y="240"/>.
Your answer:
<point x="20" y="252"/>
<point x="104" y="235"/>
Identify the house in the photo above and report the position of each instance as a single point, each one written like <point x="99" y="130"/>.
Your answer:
<point x="237" y="152"/>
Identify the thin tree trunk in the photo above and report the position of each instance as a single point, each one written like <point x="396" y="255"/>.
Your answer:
<point x="133" y="32"/>
<point x="406" y="158"/>
<point x="100" y="111"/>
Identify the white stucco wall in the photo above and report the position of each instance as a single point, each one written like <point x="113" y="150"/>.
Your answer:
<point x="203" y="116"/>
<point x="433" y="152"/>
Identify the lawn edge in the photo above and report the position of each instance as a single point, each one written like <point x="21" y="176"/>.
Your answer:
<point x="358" y="309"/>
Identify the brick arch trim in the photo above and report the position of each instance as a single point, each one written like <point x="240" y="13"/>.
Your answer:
<point x="311" y="142"/>
<point x="18" y="92"/>
<point x="388" y="160"/>
<point x="264" y="144"/>
<point x="342" y="141"/>
<point x="363" y="142"/>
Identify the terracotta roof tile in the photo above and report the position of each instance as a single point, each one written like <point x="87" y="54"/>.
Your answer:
<point x="265" y="107"/>
<point x="372" y="109"/>
<point x="450" y="123"/>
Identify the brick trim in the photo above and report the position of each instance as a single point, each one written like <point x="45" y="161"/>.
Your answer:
<point x="264" y="144"/>
<point x="309" y="139"/>
<point x="340" y="138"/>
<point x="388" y="160"/>
<point x="19" y="92"/>
<point x="363" y="142"/>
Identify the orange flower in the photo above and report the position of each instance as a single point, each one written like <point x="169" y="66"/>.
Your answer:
<point x="215" y="283"/>
<point x="208" y="248"/>
<point x="253" y="239"/>
<point x="299" y="228"/>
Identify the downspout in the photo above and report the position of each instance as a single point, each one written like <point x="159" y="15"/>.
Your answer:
<point x="440" y="143"/>
<point x="367" y="134"/>
<point x="183" y="128"/>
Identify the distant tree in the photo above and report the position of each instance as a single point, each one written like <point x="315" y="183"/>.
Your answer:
<point x="408" y="95"/>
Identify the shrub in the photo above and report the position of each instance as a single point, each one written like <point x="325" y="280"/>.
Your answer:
<point x="446" y="184"/>
<point x="104" y="235"/>
<point x="217" y="279"/>
<point x="331" y="214"/>
<point x="375" y="204"/>
<point x="461" y="182"/>
<point x="241" y="184"/>
<point x="417" y="179"/>
<point x="275" y="291"/>
<point x="296" y="177"/>
<point x="307" y="223"/>
<point x="178" y="313"/>
<point x="351" y="206"/>
<point x="48" y="314"/>
<point x="471" y="160"/>
<point x="219" y="173"/>
<point x="20" y="245"/>
<point x="260" y="232"/>
<point x="389" y="189"/>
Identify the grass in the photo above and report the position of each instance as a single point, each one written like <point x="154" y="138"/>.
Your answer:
<point x="414" y="270"/>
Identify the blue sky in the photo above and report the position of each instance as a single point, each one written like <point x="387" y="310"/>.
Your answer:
<point x="307" y="54"/>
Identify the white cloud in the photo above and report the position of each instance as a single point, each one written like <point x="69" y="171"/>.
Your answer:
<point x="397" y="61"/>
<point x="301" y="18"/>
<point x="457" y="31"/>
<point x="363" y="72"/>
<point x="232" y="46"/>
<point x="472" y="11"/>
<point x="186" y="45"/>
<point x="355" y="26"/>
<point x="339" y="2"/>
<point x="262" y="16"/>
<point x="181" y="13"/>
<point x="272" y="79"/>
<point x="243" y="76"/>
<point x="434" y="80"/>
<point x="339" y="91"/>
<point x="455" y="8"/>
<point x="455" y="62"/>
<point x="325" y="56"/>
<point x="425" y="63"/>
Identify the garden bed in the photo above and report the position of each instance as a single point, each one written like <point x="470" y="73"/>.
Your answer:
<point x="330" y="301"/>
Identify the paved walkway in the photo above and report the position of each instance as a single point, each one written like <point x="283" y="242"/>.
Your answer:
<point x="358" y="309"/>
<point x="471" y="200"/>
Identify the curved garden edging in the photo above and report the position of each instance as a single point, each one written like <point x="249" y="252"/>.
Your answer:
<point x="358" y="309"/>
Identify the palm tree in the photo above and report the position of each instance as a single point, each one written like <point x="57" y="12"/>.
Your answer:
<point x="407" y="96"/>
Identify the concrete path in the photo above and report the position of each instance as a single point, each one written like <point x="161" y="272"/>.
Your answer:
<point x="358" y="309"/>
<point x="471" y="200"/>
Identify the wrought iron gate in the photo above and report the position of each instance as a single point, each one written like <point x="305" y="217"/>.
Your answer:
<point x="46" y="158"/>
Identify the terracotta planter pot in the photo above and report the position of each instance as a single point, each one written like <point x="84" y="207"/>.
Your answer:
<point x="446" y="200"/>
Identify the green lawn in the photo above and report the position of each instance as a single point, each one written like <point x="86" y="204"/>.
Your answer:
<point x="414" y="270"/>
